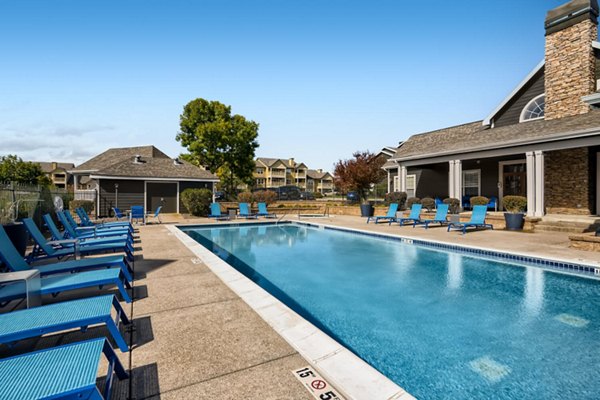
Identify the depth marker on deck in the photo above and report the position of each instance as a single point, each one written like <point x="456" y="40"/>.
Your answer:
<point x="316" y="385"/>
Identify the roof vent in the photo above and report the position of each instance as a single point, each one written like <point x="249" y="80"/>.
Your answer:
<point x="137" y="159"/>
<point x="177" y="161"/>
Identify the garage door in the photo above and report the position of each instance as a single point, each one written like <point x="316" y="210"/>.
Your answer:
<point x="159" y="193"/>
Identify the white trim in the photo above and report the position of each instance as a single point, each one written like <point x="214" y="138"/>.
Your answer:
<point x="414" y="189"/>
<point x="530" y="169"/>
<point x="488" y="120"/>
<point x="145" y="196"/>
<point x="501" y="165"/>
<point x="587" y="137"/>
<point x="98" y="199"/>
<point x="594" y="98"/>
<point x="524" y="110"/>
<point x="470" y="171"/>
<point x="137" y="178"/>
<point x="539" y="184"/>
<point x="596" y="45"/>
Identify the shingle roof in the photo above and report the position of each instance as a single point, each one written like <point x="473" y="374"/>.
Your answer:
<point x="314" y="174"/>
<point x="115" y="155"/>
<point x="154" y="163"/>
<point x="268" y="161"/>
<point x="48" y="167"/>
<point x="473" y="136"/>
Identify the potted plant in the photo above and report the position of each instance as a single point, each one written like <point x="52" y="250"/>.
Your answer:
<point x="514" y="215"/>
<point x="453" y="208"/>
<point x="15" y="231"/>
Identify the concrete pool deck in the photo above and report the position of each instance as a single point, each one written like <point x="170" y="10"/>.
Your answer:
<point x="194" y="338"/>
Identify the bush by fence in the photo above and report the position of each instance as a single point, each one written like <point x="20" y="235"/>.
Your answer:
<point x="197" y="201"/>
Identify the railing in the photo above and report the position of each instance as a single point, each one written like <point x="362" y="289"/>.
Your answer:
<point x="89" y="194"/>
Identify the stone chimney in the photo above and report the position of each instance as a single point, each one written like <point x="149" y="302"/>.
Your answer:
<point x="291" y="162"/>
<point x="54" y="165"/>
<point x="570" y="63"/>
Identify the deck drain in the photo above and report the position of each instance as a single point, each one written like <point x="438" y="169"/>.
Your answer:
<point x="490" y="369"/>
<point x="316" y="385"/>
<point x="572" y="320"/>
<point x="196" y="261"/>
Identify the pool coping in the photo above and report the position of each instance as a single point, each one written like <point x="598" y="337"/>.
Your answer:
<point x="348" y="373"/>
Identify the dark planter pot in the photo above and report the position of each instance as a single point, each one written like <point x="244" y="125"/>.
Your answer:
<point x="18" y="236"/>
<point x="367" y="210"/>
<point x="514" y="221"/>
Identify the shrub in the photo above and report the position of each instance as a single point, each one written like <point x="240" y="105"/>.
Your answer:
<point x="396" y="197"/>
<point x="479" y="201"/>
<point x="87" y="205"/>
<point x="265" y="196"/>
<point x="453" y="205"/>
<point x="245" y="197"/>
<point x="514" y="204"/>
<point x="318" y="195"/>
<point x="412" y="200"/>
<point x="197" y="201"/>
<point x="428" y="203"/>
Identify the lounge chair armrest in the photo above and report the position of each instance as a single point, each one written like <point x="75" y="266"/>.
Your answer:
<point x="63" y="241"/>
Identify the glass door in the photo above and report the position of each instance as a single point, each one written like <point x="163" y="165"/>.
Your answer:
<point x="514" y="180"/>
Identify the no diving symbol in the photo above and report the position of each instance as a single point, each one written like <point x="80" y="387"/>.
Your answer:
<point x="318" y="384"/>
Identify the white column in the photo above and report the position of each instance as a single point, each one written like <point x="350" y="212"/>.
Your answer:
<point x="530" y="156"/>
<point x="402" y="178"/>
<point x="388" y="181"/>
<point x="458" y="180"/>
<point x="539" y="183"/>
<point x="451" y="179"/>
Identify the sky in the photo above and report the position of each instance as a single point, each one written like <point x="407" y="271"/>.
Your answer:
<point x="323" y="78"/>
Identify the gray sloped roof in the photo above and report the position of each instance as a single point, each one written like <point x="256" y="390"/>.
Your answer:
<point x="314" y="174"/>
<point x="115" y="155"/>
<point x="268" y="161"/>
<point x="119" y="162"/>
<point x="471" y="136"/>
<point x="48" y="167"/>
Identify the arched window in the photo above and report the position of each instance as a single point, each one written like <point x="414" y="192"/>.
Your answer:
<point x="534" y="109"/>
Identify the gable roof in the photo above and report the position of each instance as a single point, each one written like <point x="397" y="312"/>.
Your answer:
<point x="48" y="167"/>
<point x="314" y="174"/>
<point x="475" y="137"/>
<point x="119" y="163"/>
<point x="268" y="161"/>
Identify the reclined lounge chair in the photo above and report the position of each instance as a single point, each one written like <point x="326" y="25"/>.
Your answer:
<point x="477" y="221"/>
<point x="91" y="232"/>
<point x="86" y="221"/>
<point x="215" y="212"/>
<point x="415" y="212"/>
<point x="263" y="212"/>
<point x="64" y="372"/>
<point x="245" y="212"/>
<point x="390" y="216"/>
<point x="441" y="215"/>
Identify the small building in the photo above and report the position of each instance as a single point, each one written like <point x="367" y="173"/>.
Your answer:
<point x="319" y="181"/>
<point x="58" y="173"/>
<point x="542" y="141"/>
<point x="129" y="176"/>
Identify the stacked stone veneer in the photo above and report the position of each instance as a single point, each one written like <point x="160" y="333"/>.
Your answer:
<point x="570" y="69"/>
<point x="567" y="182"/>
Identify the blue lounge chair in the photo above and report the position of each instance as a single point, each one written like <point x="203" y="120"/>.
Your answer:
<point x="138" y="214"/>
<point x="55" y="284"/>
<point x="97" y="229"/>
<point x="91" y="232"/>
<point x="415" y="212"/>
<point x="245" y="212"/>
<point x="263" y="212"/>
<point x="156" y="215"/>
<point x="215" y="212"/>
<point x="477" y="221"/>
<point x="440" y="217"/>
<point x="438" y="202"/>
<point x="390" y="216"/>
<point x="57" y="235"/>
<point x="80" y="313"/>
<point x="11" y="258"/>
<point x="64" y="372"/>
<point x="86" y="221"/>
<point x="55" y="249"/>
<point x="118" y="213"/>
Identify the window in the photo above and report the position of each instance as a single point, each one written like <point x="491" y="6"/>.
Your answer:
<point x="396" y="184"/>
<point x="260" y="171"/>
<point x="534" y="109"/>
<point x="472" y="182"/>
<point x="411" y="185"/>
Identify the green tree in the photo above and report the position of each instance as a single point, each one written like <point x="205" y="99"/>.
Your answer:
<point x="359" y="173"/>
<point x="219" y="141"/>
<point x="14" y="169"/>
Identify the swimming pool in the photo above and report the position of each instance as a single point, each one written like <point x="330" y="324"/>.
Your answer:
<point x="440" y="324"/>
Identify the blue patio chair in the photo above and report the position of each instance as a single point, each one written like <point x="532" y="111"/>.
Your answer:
<point x="477" y="221"/>
<point x="138" y="214"/>
<point x="118" y="213"/>
<point x="54" y="249"/>
<point x="11" y="258"/>
<point x="440" y="217"/>
<point x="91" y="232"/>
<point x="245" y="211"/>
<point x="263" y="212"/>
<point x="52" y="318"/>
<point x="55" y="284"/>
<point x="155" y="215"/>
<point x="64" y="372"/>
<point x="215" y="212"/>
<point x="493" y="204"/>
<point x="86" y="221"/>
<point x="466" y="202"/>
<point x="438" y="202"/>
<point x="415" y="212"/>
<point x="390" y="216"/>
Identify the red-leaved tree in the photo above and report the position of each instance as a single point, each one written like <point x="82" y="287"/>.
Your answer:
<point x="359" y="173"/>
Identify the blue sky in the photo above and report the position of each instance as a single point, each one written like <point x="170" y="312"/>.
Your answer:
<point x="322" y="78"/>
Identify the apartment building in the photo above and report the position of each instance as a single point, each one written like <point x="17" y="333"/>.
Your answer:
<point x="276" y="172"/>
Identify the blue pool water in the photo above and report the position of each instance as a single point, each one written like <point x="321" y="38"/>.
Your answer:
<point x="439" y="324"/>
